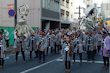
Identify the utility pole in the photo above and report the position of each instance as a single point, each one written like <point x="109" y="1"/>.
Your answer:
<point x="79" y="12"/>
<point x="15" y="7"/>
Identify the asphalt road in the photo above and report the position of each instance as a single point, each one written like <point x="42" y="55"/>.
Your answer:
<point x="53" y="64"/>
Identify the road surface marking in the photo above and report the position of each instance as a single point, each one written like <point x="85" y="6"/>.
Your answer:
<point x="82" y="61"/>
<point x="39" y="66"/>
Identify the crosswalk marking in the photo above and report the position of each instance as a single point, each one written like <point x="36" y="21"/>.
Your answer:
<point x="82" y="61"/>
<point x="38" y="66"/>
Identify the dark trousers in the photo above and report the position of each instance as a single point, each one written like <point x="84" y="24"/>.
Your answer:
<point x="106" y="59"/>
<point x="67" y="64"/>
<point x="48" y="49"/>
<point x="22" y="55"/>
<point x="80" y="54"/>
<point x="56" y="46"/>
<point x="90" y="53"/>
<point x="43" y="54"/>
<point x="7" y="44"/>
<point x="36" y="52"/>
<point x="94" y="52"/>
<point x="2" y="61"/>
<point x="98" y="47"/>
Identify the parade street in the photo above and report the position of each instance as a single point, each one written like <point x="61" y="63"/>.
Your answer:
<point x="53" y="64"/>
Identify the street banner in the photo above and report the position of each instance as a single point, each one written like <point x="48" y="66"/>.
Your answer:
<point x="11" y="7"/>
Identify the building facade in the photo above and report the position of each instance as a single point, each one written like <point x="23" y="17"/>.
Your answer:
<point x="106" y="8"/>
<point x="50" y="14"/>
<point x="33" y="18"/>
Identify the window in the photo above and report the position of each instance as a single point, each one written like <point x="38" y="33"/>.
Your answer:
<point x="48" y="3"/>
<point x="71" y="16"/>
<point x="71" y="4"/>
<point x="84" y="10"/>
<point x="67" y="5"/>
<point x="84" y="1"/>
<point x="88" y="6"/>
<point x="43" y="3"/>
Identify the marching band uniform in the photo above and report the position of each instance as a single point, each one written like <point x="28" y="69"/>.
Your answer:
<point x="78" y="48"/>
<point x="19" y="46"/>
<point x="2" y="52"/>
<point x="66" y="56"/>
<point x="90" y="46"/>
<point x="32" y="44"/>
<point x="105" y="47"/>
<point x="42" y="46"/>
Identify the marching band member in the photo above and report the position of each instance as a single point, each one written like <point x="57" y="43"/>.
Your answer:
<point x="42" y="46"/>
<point x="19" y="46"/>
<point x="66" y="54"/>
<point x="79" y="47"/>
<point x="105" y="50"/>
<point x="2" y="51"/>
<point x="32" y="44"/>
<point x="90" y="46"/>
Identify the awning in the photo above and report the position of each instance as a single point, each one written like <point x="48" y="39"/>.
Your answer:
<point x="65" y="22"/>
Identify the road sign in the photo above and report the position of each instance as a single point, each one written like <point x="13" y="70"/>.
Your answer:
<point x="11" y="13"/>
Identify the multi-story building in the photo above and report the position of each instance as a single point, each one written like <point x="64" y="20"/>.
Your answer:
<point x="106" y="8"/>
<point x="50" y="14"/>
<point x="89" y="3"/>
<point x="66" y="12"/>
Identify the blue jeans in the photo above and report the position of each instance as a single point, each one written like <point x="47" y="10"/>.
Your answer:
<point x="90" y="53"/>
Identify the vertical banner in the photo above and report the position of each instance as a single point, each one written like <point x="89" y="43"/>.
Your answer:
<point x="11" y="7"/>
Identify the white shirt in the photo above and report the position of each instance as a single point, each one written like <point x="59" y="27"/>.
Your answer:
<point x="15" y="35"/>
<point x="67" y="48"/>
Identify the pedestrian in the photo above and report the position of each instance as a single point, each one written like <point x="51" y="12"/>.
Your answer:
<point x="2" y="51"/>
<point x="50" y="42"/>
<point x="42" y="46"/>
<point x="79" y="47"/>
<point x="105" y="50"/>
<point x="15" y="34"/>
<point x="66" y="55"/>
<point x="2" y="33"/>
<point x="90" y="46"/>
<point x="99" y="39"/>
<point x="19" y="46"/>
<point x="7" y="38"/>
<point x="33" y="45"/>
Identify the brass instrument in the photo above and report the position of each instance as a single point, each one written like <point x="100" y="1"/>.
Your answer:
<point x="70" y="49"/>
